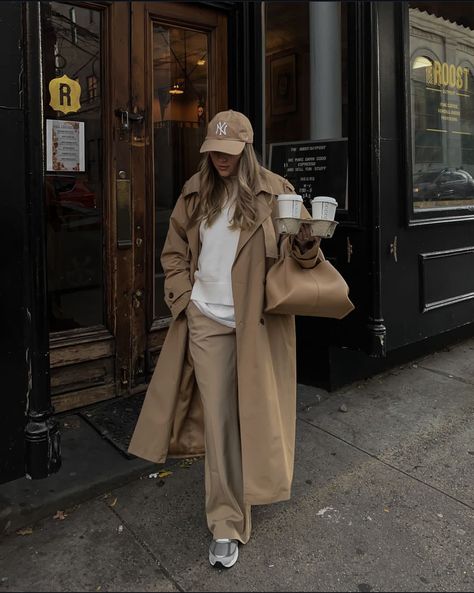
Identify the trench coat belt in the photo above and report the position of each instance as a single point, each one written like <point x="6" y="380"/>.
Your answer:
<point x="271" y="246"/>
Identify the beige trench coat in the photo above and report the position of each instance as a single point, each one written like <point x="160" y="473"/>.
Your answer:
<point x="171" y="420"/>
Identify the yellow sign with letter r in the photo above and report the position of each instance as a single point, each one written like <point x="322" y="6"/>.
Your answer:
<point x="65" y="94"/>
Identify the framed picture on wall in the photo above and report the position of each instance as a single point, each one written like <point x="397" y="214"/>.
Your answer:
<point x="283" y="84"/>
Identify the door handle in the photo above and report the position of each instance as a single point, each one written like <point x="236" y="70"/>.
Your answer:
<point x="129" y="116"/>
<point x="124" y="210"/>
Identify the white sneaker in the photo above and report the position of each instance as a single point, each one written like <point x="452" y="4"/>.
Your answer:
<point x="225" y="551"/>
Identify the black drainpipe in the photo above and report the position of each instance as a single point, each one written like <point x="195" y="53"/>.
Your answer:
<point x="42" y="436"/>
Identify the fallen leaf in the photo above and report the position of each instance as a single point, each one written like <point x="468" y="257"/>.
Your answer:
<point x="322" y="512"/>
<point x="61" y="515"/>
<point x="25" y="531"/>
<point x="386" y="510"/>
<point x="114" y="502"/>
<point x="164" y="473"/>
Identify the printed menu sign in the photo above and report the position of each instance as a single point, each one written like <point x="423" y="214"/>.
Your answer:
<point x="315" y="168"/>
<point x="65" y="145"/>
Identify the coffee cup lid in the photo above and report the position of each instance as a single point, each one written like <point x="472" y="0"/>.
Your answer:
<point x="324" y="199"/>
<point x="294" y="197"/>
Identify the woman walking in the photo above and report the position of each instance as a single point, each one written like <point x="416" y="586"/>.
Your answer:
<point x="225" y="382"/>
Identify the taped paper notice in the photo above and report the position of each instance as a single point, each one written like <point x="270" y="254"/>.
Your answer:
<point x="65" y="147"/>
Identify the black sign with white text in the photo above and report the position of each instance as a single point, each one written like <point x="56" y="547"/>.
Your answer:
<point x="315" y="168"/>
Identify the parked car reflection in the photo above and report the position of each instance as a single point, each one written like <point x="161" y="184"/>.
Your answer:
<point x="443" y="184"/>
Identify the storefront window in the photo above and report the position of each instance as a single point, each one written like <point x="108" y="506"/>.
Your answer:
<point x="306" y="95"/>
<point x="442" y="105"/>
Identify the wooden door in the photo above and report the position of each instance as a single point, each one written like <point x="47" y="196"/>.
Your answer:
<point x="178" y="81"/>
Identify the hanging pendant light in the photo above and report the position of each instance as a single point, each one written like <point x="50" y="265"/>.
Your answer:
<point x="178" y="86"/>
<point x="176" y="90"/>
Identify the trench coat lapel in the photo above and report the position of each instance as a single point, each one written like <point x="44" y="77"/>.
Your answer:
<point x="265" y="189"/>
<point x="264" y="211"/>
<point x="193" y="241"/>
<point x="192" y="187"/>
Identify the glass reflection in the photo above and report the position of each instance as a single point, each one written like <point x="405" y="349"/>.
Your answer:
<point x="72" y="47"/>
<point x="180" y="104"/>
<point x="442" y="106"/>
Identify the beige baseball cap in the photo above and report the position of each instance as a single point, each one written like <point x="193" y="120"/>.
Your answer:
<point x="229" y="132"/>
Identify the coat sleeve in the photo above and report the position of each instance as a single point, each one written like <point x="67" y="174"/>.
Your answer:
<point x="175" y="259"/>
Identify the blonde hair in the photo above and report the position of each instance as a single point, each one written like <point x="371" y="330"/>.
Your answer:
<point x="212" y="192"/>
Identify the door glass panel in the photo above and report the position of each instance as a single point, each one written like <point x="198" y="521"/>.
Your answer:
<point x="442" y="105"/>
<point x="180" y="103"/>
<point x="71" y="37"/>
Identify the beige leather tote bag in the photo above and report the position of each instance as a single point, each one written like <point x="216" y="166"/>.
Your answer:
<point x="316" y="292"/>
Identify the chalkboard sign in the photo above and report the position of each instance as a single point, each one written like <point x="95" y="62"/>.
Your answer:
<point x="315" y="168"/>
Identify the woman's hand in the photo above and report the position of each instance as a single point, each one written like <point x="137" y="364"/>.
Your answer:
<point x="304" y="239"/>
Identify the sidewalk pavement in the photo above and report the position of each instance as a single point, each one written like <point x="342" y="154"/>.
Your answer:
<point x="383" y="500"/>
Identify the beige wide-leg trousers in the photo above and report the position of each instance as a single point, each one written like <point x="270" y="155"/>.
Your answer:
<point x="213" y="350"/>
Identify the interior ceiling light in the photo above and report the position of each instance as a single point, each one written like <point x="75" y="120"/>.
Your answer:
<point x="176" y="90"/>
<point x="201" y="62"/>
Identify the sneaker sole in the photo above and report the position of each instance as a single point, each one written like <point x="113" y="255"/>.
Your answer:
<point x="227" y="562"/>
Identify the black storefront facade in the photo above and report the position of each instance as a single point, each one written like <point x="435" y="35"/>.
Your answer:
<point x="390" y="82"/>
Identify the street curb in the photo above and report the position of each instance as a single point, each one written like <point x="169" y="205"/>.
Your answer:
<point x="18" y="516"/>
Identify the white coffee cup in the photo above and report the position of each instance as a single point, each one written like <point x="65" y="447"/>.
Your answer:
<point x="323" y="208"/>
<point x="289" y="205"/>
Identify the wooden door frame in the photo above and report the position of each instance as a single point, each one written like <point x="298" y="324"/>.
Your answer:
<point x="120" y="258"/>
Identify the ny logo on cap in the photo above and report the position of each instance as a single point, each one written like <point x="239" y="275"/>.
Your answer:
<point x="221" y="128"/>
